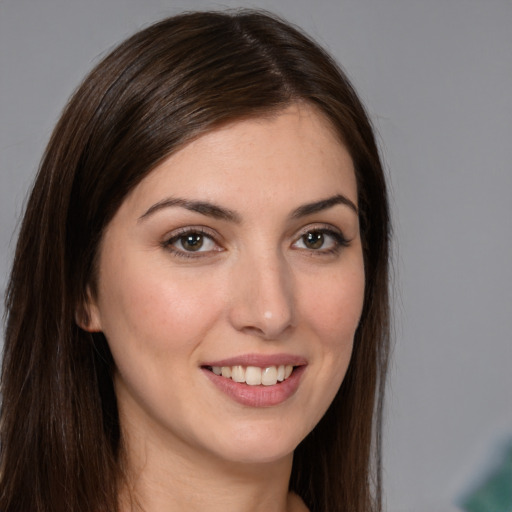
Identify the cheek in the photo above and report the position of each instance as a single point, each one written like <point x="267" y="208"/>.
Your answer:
<point x="335" y="308"/>
<point x="332" y="314"/>
<point x="152" y="310"/>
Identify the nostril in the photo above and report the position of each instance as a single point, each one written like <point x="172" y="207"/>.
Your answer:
<point x="249" y="329"/>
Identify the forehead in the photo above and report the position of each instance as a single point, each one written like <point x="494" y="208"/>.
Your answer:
<point x="291" y="156"/>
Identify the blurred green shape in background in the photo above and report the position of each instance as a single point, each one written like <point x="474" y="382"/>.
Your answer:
<point x="494" y="493"/>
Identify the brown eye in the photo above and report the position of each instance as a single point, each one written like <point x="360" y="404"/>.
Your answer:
<point x="192" y="241"/>
<point x="321" y="241"/>
<point x="313" y="240"/>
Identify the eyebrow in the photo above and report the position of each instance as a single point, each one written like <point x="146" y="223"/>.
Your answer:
<point x="323" y="204"/>
<point x="203" y="207"/>
<point x="219" y="212"/>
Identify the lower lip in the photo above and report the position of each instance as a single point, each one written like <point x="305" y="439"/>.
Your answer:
<point x="258" y="396"/>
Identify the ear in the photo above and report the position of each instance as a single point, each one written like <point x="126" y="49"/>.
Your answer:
<point x="87" y="314"/>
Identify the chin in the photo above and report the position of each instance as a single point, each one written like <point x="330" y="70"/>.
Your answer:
<point x="256" y="445"/>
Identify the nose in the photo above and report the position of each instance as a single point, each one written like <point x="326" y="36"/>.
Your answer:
<point x="263" y="297"/>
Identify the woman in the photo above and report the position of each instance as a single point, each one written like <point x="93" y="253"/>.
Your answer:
<point x="198" y="309"/>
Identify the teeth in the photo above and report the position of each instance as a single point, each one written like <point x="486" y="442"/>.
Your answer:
<point x="269" y="376"/>
<point x="238" y="373"/>
<point x="253" y="375"/>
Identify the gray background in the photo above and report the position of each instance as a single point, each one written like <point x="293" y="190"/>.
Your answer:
<point x="437" y="79"/>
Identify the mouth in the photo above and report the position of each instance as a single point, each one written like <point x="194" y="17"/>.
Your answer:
<point x="257" y="380"/>
<point x="254" y="375"/>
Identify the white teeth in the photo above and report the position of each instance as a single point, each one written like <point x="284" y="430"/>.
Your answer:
<point x="269" y="376"/>
<point x="238" y="373"/>
<point x="253" y="375"/>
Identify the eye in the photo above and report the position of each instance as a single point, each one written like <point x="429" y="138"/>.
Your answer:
<point x="191" y="242"/>
<point x="314" y="239"/>
<point x="322" y="240"/>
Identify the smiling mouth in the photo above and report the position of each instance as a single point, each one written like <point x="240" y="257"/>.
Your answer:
<point x="254" y="375"/>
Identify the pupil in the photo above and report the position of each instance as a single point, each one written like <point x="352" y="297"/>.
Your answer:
<point x="192" y="242"/>
<point x="314" y="240"/>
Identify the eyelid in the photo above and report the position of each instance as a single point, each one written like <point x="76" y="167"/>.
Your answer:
<point x="170" y="238"/>
<point x="336" y="233"/>
<point x="322" y="227"/>
<point x="203" y="230"/>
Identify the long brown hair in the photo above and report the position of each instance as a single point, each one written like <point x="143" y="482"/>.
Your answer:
<point x="60" y="436"/>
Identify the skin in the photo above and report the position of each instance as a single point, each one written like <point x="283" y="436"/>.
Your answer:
<point x="255" y="286"/>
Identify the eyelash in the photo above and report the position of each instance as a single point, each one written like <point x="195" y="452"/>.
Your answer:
<point x="337" y="236"/>
<point x="168" y="244"/>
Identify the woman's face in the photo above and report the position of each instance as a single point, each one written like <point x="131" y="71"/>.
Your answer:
<point x="239" y="255"/>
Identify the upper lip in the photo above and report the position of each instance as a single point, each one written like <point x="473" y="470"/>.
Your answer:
<point x="260" y="360"/>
